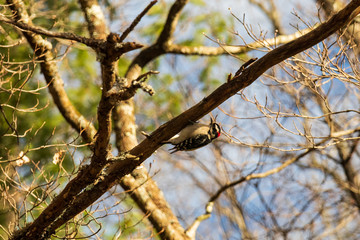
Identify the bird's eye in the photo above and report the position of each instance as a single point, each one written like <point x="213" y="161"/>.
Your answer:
<point x="216" y="130"/>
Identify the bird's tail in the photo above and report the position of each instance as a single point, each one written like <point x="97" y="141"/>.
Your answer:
<point x="173" y="150"/>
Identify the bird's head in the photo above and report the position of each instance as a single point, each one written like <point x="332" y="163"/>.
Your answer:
<point x="215" y="129"/>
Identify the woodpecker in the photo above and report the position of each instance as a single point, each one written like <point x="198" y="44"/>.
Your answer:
<point x="194" y="136"/>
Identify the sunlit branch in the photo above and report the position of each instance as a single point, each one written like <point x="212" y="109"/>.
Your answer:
<point x="248" y="76"/>
<point x="91" y="42"/>
<point x="210" y="205"/>
<point x="233" y="49"/>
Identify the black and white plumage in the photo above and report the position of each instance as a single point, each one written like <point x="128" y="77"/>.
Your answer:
<point x="194" y="136"/>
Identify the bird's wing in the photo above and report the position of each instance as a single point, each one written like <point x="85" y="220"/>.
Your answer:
<point x="191" y="144"/>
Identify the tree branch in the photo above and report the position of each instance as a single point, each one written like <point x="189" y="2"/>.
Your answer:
<point x="243" y="80"/>
<point x="191" y="230"/>
<point x="119" y="92"/>
<point x="171" y="22"/>
<point x="225" y="49"/>
<point x="248" y="76"/>
<point x="91" y="42"/>
<point x="143" y="150"/>
<point x="161" y="43"/>
<point x="271" y="13"/>
<point x="137" y="20"/>
<point x="95" y="19"/>
<point x="42" y="50"/>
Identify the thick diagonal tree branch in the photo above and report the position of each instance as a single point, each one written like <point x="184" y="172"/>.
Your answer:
<point x="142" y="188"/>
<point x="99" y="159"/>
<point x="248" y="76"/>
<point x="100" y="149"/>
<point x="139" y="188"/>
<point x="143" y="150"/>
<point x="352" y="33"/>
<point x="112" y="49"/>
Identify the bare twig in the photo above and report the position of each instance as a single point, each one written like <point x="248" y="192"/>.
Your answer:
<point x="147" y="147"/>
<point x="250" y="74"/>
<point x="245" y="65"/>
<point x="91" y="42"/>
<point x="233" y="49"/>
<point x="121" y="93"/>
<point x="42" y="49"/>
<point x="191" y="230"/>
<point x="136" y="20"/>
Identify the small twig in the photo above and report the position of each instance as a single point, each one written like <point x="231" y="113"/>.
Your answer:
<point x="123" y="156"/>
<point x="136" y="21"/>
<point x="229" y="77"/>
<point x="119" y="47"/>
<point x="140" y="82"/>
<point x="145" y="75"/>
<point x="120" y="93"/>
<point x="209" y="206"/>
<point x="191" y="231"/>
<point x="245" y="65"/>
<point x="63" y="35"/>
<point x="145" y="134"/>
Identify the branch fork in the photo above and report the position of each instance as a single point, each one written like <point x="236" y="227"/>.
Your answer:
<point x="241" y="69"/>
<point x="119" y="92"/>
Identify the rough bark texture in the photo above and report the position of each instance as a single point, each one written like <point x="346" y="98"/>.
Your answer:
<point x="144" y="190"/>
<point x="73" y="199"/>
<point x="166" y="131"/>
<point x="346" y="150"/>
<point x="352" y="32"/>
<point x="95" y="18"/>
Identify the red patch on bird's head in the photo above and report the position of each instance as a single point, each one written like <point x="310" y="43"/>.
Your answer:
<point x="218" y="134"/>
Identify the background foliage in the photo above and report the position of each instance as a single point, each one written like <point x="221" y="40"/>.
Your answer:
<point x="305" y="108"/>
